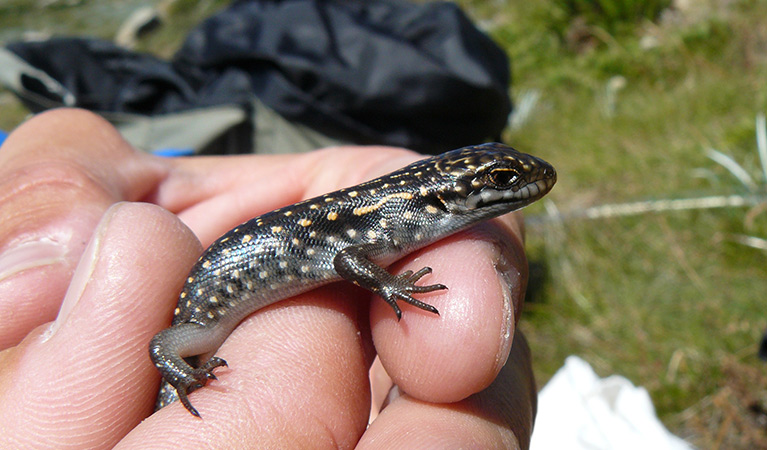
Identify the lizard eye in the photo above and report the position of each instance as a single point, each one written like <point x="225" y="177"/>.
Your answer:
<point x="501" y="177"/>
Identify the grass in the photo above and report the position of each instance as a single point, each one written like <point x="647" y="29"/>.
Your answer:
<point x="673" y="300"/>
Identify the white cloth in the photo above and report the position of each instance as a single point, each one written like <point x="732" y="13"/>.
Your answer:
<point x="578" y="410"/>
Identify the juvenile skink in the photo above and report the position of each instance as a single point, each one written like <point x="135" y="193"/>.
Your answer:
<point x="349" y="234"/>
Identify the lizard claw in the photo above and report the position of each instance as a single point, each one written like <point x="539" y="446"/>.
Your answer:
<point x="403" y="285"/>
<point x="199" y="378"/>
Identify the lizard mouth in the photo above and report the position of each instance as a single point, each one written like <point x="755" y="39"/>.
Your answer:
<point x="536" y="189"/>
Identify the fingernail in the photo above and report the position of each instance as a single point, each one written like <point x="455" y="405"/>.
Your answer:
<point x="83" y="273"/>
<point x="26" y="255"/>
<point x="510" y="280"/>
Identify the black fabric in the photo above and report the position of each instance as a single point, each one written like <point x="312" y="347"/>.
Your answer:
<point x="381" y="71"/>
<point x="104" y="77"/>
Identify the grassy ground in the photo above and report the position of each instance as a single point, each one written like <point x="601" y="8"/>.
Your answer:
<point x="668" y="299"/>
<point x="626" y="110"/>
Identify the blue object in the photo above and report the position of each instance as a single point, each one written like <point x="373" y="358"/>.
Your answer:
<point x="3" y="135"/>
<point x="173" y="152"/>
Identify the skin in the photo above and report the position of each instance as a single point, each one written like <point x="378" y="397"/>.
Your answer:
<point x="96" y="240"/>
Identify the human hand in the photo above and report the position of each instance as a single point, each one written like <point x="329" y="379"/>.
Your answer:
<point x="73" y="229"/>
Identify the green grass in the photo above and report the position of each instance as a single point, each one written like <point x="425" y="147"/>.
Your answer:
<point x="668" y="299"/>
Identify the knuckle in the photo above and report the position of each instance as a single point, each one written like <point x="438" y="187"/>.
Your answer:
<point x="35" y="195"/>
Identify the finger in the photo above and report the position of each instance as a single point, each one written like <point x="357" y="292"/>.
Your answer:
<point x="59" y="172"/>
<point x="448" y="357"/>
<point x="500" y="416"/>
<point x="86" y="380"/>
<point x="297" y="378"/>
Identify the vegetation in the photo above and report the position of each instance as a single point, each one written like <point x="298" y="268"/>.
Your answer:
<point x="627" y="110"/>
<point x="627" y="99"/>
<point x="615" y="16"/>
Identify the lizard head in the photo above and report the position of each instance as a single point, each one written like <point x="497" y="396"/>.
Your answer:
<point x="492" y="179"/>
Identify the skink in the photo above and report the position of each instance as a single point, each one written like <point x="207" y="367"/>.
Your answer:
<point x="349" y="234"/>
